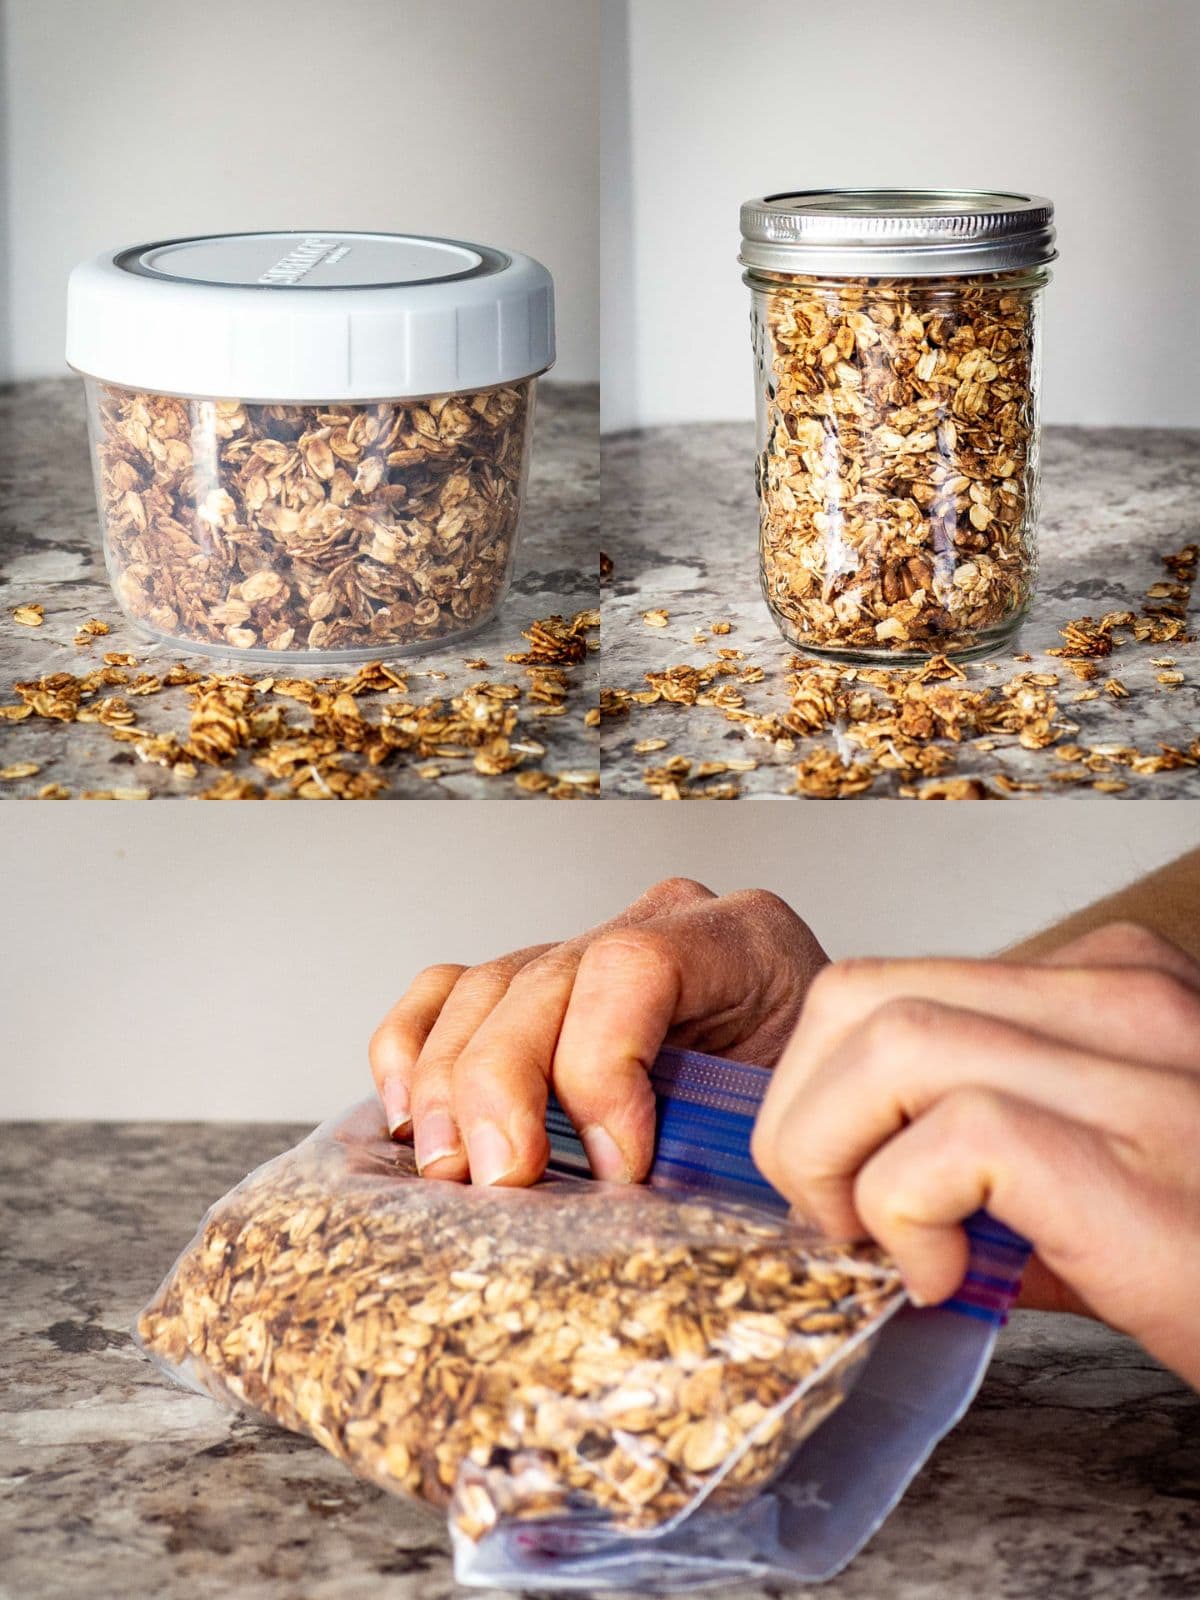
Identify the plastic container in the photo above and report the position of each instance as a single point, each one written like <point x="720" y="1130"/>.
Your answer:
<point x="897" y="344"/>
<point x="310" y="443"/>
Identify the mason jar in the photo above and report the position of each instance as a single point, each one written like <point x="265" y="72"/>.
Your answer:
<point x="897" y="350"/>
<point x="310" y="444"/>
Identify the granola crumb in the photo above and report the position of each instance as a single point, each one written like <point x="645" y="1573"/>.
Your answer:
<point x="329" y="746"/>
<point x="909" y="724"/>
<point x="93" y="628"/>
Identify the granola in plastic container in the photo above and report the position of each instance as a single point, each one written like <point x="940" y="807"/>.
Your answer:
<point x="311" y="445"/>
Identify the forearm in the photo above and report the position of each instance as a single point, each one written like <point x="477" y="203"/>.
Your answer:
<point x="1167" y="902"/>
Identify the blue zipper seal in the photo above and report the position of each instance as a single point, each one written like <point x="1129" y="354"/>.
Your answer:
<point x="706" y="1112"/>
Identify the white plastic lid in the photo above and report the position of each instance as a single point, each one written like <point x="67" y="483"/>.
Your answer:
<point x="310" y="316"/>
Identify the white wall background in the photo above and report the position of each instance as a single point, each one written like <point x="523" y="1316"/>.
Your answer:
<point x="1093" y="102"/>
<point x="231" y="961"/>
<point x="128" y="120"/>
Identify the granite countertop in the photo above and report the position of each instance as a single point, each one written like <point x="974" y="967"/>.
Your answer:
<point x="1077" y="1471"/>
<point x="681" y="526"/>
<point x="50" y="552"/>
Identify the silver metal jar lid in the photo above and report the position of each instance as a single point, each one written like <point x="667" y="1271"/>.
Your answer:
<point x="883" y="233"/>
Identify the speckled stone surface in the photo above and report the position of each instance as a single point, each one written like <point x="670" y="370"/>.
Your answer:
<point x="1076" y="1473"/>
<point x="680" y="523"/>
<point x="50" y="552"/>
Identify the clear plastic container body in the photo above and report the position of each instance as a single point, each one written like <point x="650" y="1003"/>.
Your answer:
<point x="325" y="532"/>
<point x="898" y="460"/>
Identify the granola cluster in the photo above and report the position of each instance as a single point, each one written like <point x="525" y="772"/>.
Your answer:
<point x="517" y="1353"/>
<point x="319" y="528"/>
<point x="314" y="738"/>
<point x="897" y="476"/>
<point x="859" y="725"/>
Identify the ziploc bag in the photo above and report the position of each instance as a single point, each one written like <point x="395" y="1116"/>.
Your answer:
<point x="923" y="1369"/>
<point x="606" y="1386"/>
<point x="574" y="1349"/>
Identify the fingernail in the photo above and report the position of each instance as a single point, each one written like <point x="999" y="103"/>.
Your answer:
<point x="396" y="1106"/>
<point x="437" y="1138"/>
<point x="604" y="1154"/>
<point x="490" y="1152"/>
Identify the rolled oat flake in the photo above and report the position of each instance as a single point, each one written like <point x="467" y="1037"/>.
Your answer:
<point x="897" y="338"/>
<point x="310" y="442"/>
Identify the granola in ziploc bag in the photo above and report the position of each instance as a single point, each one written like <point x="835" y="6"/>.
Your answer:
<point x="580" y="1373"/>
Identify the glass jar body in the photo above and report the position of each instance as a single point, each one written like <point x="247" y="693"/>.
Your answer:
<point x="332" y="531"/>
<point x="898" y="460"/>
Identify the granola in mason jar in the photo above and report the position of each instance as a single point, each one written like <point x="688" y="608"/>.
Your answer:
<point x="898" y="479"/>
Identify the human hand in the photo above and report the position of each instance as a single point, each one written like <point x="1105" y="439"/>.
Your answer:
<point x="466" y="1057"/>
<point x="1064" y="1096"/>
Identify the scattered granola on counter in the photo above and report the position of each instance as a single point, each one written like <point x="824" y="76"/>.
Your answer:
<point x="338" y="750"/>
<point x="915" y="725"/>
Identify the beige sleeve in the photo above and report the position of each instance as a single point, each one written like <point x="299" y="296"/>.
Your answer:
<point x="1167" y="902"/>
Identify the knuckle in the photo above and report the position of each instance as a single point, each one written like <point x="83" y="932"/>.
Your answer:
<point x="903" y="1025"/>
<point x="833" y="984"/>
<point x="439" y="976"/>
<point x="1136" y="939"/>
<point x="856" y="970"/>
<point x="876" y="1198"/>
<point x="386" y="1050"/>
<point x="772" y="922"/>
<point x="671" y="892"/>
<point x="764" y="903"/>
<point x="630" y="953"/>
<point x="824" y="995"/>
<point x="553" y="965"/>
<point x="487" y="979"/>
<point x="1167" y="999"/>
<point x="789" y="1174"/>
<point x="1181" y="1102"/>
<point x="1130" y="941"/>
<point x="976" y="1116"/>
